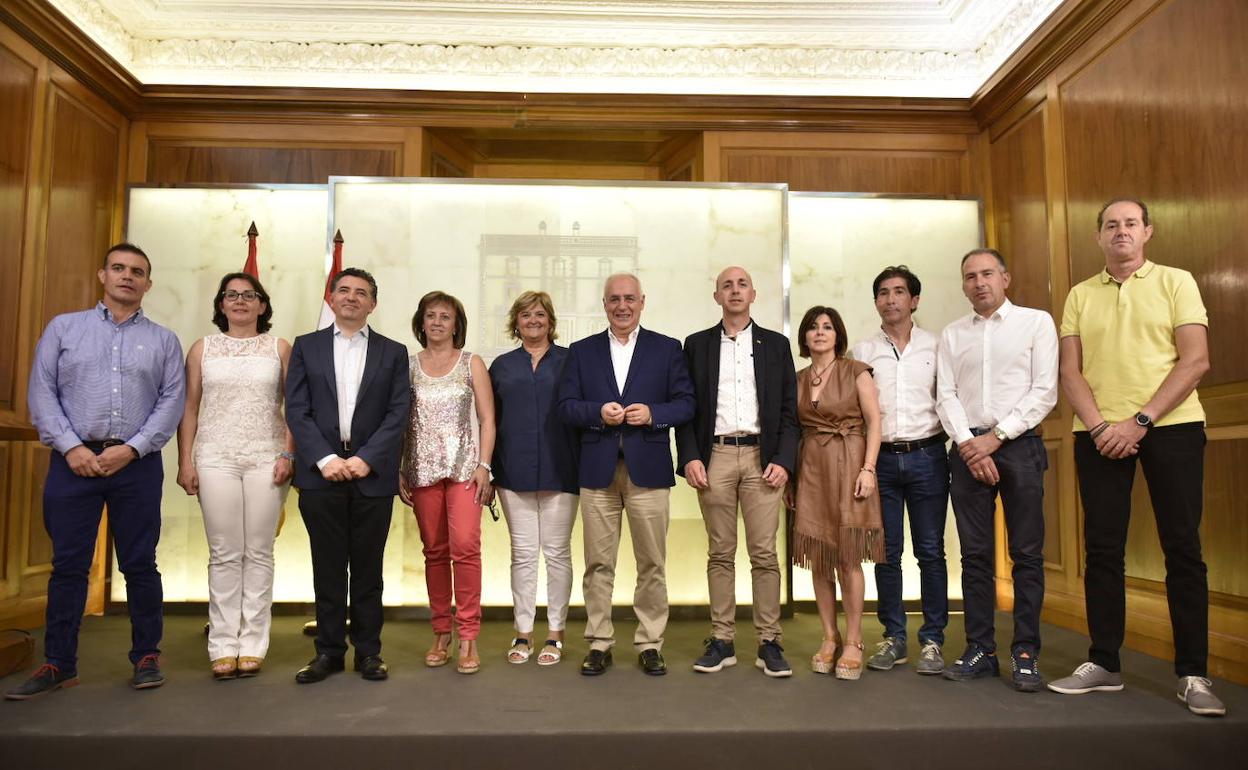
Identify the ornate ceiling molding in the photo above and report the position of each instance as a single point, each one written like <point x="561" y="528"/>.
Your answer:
<point x="935" y="48"/>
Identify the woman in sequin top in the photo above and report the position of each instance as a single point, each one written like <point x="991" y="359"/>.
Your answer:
<point x="446" y="471"/>
<point x="235" y="453"/>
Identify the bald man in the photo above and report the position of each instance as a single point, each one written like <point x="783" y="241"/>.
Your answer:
<point x="625" y="389"/>
<point x="738" y="453"/>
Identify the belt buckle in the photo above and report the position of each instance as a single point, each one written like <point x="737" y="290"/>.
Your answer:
<point x="110" y="442"/>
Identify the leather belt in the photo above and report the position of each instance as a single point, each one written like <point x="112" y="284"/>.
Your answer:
<point x="100" y="446"/>
<point x="346" y="446"/>
<point x="902" y="447"/>
<point x="751" y="440"/>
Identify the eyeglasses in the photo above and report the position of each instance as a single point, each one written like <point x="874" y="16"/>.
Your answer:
<point x="231" y="295"/>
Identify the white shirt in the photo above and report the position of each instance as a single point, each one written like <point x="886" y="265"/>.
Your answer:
<point x="622" y="355"/>
<point x="997" y="371"/>
<point x="350" y="354"/>
<point x="906" y="382"/>
<point x="736" y="402"/>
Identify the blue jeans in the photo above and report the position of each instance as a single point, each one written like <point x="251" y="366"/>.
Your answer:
<point x="72" y="507"/>
<point x="920" y="481"/>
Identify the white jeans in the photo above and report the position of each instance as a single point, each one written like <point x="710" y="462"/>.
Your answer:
<point x="540" y="521"/>
<point x="241" y="506"/>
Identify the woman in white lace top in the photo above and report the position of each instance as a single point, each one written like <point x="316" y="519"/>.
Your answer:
<point x="235" y="453"/>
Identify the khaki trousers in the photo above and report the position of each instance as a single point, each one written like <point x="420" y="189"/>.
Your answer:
<point x="601" y="517"/>
<point x="735" y="479"/>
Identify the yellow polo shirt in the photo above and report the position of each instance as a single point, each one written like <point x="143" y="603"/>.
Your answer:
<point x="1127" y="332"/>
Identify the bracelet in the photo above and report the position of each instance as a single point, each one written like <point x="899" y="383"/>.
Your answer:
<point x="1098" y="430"/>
<point x="868" y="469"/>
<point x="485" y="465"/>
<point x="286" y="456"/>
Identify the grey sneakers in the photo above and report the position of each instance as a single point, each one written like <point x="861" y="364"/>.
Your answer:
<point x="1088" y="677"/>
<point x="888" y="653"/>
<point x="931" y="662"/>
<point x="1196" y="692"/>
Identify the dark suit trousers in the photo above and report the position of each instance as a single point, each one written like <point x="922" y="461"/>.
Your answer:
<point x="1021" y="463"/>
<point x="347" y="532"/>
<point x="1173" y="461"/>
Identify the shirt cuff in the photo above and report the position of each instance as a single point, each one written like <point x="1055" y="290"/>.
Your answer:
<point x="963" y="436"/>
<point x="140" y="444"/>
<point x="66" y="441"/>
<point x="1013" y="427"/>
<point x="321" y="463"/>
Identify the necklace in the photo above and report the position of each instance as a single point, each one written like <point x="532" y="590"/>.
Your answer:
<point x="817" y="375"/>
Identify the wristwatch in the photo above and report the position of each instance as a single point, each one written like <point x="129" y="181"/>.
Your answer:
<point x="1000" y="434"/>
<point x="1143" y="420"/>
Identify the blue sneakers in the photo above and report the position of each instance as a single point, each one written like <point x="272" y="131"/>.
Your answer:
<point x="1026" y="677"/>
<point x="719" y="653"/>
<point x="975" y="663"/>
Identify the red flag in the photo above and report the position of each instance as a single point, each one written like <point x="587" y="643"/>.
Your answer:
<point x="251" y="268"/>
<point x="335" y="267"/>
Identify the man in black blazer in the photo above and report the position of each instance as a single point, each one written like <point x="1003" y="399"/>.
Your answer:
<point x="739" y="451"/>
<point x="347" y="402"/>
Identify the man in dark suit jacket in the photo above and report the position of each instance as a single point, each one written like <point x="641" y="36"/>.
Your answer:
<point x="739" y="451"/>
<point x="625" y="388"/>
<point x="347" y="402"/>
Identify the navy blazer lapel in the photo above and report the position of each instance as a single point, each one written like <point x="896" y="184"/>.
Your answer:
<point x="714" y="349"/>
<point x="372" y="360"/>
<point x="628" y="380"/>
<point x="325" y="352"/>
<point x="609" y="369"/>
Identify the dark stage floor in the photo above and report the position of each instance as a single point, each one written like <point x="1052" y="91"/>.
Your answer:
<point x="548" y="717"/>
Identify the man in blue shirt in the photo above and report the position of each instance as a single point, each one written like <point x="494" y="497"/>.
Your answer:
<point x="106" y="393"/>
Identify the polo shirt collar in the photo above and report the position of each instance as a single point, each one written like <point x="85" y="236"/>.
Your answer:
<point x="1143" y="272"/>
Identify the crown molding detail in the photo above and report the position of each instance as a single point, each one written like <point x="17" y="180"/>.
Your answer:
<point x="926" y="48"/>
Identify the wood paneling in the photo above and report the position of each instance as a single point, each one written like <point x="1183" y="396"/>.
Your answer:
<point x="8" y="583"/>
<point x="1052" y="508"/>
<point x="170" y="163"/>
<point x="846" y="171"/>
<point x="82" y="189"/>
<point x="37" y="553"/>
<point x="1223" y="530"/>
<point x="1170" y="129"/>
<point x="1020" y="210"/>
<point x="594" y="171"/>
<point x="17" y="93"/>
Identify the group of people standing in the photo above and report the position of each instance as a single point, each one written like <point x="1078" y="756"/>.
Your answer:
<point x="849" y="443"/>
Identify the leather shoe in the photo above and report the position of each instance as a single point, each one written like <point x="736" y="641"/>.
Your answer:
<point x="596" y="662"/>
<point x="372" y="668"/>
<point x="318" y="669"/>
<point x="652" y="663"/>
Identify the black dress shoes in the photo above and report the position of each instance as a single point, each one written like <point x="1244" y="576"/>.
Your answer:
<point x="372" y="668"/>
<point x="318" y="668"/>
<point x="652" y="663"/>
<point x="596" y="662"/>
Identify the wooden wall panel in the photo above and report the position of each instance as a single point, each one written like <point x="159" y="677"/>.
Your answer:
<point x="1020" y="210"/>
<point x="906" y="173"/>
<point x="7" y="522"/>
<point x="82" y="190"/>
<point x="17" y="93"/>
<point x="1223" y="532"/>
<point x="37" y="552"/>
<point x="1052" y="509"/>
<point x="1170" y="129"/>
<point x="179" y="163"/>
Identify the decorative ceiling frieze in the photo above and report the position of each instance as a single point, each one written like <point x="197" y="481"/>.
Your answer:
<point x="936" y="48"/>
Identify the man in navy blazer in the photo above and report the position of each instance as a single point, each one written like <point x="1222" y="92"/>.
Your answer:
<point x="625" y="388"/>
<point x="347" y="403"/>
<point x="738" y="451"/>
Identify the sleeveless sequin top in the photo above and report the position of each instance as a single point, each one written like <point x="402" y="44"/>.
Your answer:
<point x="240" y="414"/>
<point x="441" y="441"/>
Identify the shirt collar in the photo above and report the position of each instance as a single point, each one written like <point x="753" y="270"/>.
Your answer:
<point x="1142" y="272"/>
<point x="748" y="331"/>
<point x="338" y="332"/>
<point x="1001" y="312"/>
<point x="632" y="336"/>
<point x="107" y="314"/>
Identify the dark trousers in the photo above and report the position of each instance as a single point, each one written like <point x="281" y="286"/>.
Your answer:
<point x="917" y="481"/>
<point x="347" y="532"/>
<point x="72" y="506"/>
<point x="1021" y="464"/>
<point x="1173" y="459"/>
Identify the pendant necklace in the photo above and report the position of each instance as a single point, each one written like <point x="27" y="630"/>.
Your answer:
<point x="817" y="378"/>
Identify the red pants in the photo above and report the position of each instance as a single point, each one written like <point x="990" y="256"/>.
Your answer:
<point x="450" y="528"/>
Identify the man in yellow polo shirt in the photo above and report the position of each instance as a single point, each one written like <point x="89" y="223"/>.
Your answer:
<point x="1134" y="346"/>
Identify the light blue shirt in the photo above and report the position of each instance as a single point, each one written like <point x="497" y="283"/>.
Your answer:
<point x="95" y="380"/>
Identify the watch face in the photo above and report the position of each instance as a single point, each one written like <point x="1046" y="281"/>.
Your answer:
<point x="1143" y="421"/>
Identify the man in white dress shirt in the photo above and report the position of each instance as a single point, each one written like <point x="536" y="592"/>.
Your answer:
<point x="996" y="381"/>
<point x="912" y="470"/>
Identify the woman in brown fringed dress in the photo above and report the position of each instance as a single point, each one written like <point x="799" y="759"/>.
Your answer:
<point x="837" y="525"/>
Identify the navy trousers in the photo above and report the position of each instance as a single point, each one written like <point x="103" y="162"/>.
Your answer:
<point x="72" y="506"/>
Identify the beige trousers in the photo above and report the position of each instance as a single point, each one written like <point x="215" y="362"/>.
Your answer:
<point x="736" y="479"/>
<point x="601" y="517"/>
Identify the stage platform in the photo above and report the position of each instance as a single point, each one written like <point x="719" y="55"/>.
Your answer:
<point x="527" y="716"/>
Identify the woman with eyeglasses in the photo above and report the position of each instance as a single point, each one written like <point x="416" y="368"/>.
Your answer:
<point x="446" y="472"/>
<point x="235" y="453"/>
<point x="535" y="473"/>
